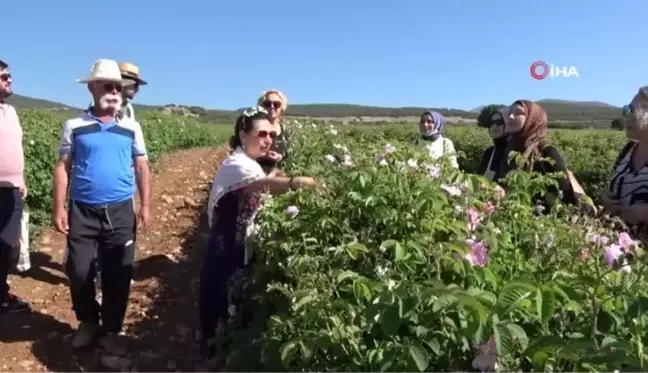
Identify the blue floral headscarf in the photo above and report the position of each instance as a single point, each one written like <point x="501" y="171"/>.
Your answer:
<point x="439" y="124"/>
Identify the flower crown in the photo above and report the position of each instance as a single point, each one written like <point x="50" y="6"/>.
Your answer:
<point x="254" y="110"/>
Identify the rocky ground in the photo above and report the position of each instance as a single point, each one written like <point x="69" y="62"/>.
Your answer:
<point x="160" y="330"/>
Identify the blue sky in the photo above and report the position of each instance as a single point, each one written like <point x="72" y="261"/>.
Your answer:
<point x="223" y="54"/>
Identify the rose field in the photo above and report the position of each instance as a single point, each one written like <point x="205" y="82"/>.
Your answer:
<point x="397" y="263"/>
<point x="394" y="263"/>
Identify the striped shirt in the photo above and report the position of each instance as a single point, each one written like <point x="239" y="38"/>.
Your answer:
<point x="12" y="161"/>
<point x="628" y="185"/>
<point x="102" y="158"/>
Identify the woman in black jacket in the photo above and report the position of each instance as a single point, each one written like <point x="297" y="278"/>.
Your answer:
<point x="493" y="155"/>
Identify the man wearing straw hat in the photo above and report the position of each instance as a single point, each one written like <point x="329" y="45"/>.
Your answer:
<point x="102" y="155"/>
<point x="130" y="71"/>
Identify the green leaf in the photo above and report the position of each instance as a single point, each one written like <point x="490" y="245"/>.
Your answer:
<point x="420" y="357"/>
<point x="434" y="345"/>
<point x="302" y="301"/>
<point x="546" y="304"/>
<point x="477" y="309"/>
<point x="344" y="275"/>
<point x="512" y="293"/>
<point x="490" y="277"/>
<point x="503" y="339"/>
<point x="355" y="248"/>
<point x="288" y="350"/>
<point x="399" y="250"/>
<point x="389" y="320"/>
<point x="545" y="343"/>
<point x="519" y="335"/>
<point x="443" y="301"/>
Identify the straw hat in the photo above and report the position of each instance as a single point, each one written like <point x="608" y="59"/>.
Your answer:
<point x="131" y="71"/>
<point x="105" y="70"/>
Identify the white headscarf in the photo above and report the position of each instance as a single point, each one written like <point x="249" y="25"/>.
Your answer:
<point x="236" y="172"/>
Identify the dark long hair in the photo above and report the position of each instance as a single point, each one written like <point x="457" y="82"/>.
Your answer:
<point x="245" y="123"/>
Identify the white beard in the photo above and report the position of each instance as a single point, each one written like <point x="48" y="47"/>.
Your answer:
<point x="110" y="101"/>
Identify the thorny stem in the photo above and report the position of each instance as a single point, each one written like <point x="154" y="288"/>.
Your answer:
<point x="595" y="306"/>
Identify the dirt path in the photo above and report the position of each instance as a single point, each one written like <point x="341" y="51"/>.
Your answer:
<point x="162" y="315"/>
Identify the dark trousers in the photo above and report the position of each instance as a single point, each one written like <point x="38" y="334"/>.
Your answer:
<point x="110" y="232"/>
<point x="11" y="208"/>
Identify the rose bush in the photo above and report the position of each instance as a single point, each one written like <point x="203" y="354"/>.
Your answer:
<point x="399" y="263"/>
<point x="588" y="153"/>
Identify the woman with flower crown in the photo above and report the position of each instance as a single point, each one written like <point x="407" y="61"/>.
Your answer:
<point x="234" y="201"/>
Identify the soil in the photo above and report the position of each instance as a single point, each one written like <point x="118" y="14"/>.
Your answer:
<point x="161" y="321"/>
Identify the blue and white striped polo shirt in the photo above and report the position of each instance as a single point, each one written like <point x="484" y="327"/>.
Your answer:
<point x="102" y="158"/>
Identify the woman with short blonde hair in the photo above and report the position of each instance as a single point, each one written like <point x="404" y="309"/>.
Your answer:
<point x="275" y="103"/>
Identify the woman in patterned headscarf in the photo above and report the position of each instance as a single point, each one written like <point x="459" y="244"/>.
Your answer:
<point x="527" y="128"/>
<point x="431" y="128"/>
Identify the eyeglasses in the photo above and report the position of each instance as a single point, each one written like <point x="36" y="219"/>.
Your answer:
<point x="109" y="87"/>
<point x="5" y="77"/>
<point x="272" y="104"/>
<point x="264" y="134"/>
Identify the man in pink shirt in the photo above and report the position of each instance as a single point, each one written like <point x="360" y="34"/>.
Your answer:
<point x="12" y="190"/>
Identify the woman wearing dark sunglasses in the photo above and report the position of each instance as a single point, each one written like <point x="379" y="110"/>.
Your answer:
<point x="275" y="103"/>
<point x="235" y="199"/>
<point x="497" y="130"/>
<point x="627" y="194"/>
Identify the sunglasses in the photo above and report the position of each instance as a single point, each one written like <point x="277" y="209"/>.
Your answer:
<point x="5" y="77"/>
<point x="498" y="122"/>
<point x="109" y="87"/>
<point x="272" y="104"/>
<point x="264" y="134"/>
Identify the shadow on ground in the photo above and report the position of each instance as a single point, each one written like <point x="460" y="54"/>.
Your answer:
<point x="162" y="341"/>
<point x="39" y="262"/>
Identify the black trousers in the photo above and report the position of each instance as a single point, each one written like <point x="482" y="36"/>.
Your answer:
<point x="11" y="208"/>
<point x="110" y="232"/>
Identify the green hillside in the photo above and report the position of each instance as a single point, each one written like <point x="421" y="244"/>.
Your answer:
<point x="558" y="110"/>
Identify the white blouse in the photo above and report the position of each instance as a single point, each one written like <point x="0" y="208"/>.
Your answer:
<point x="441" y="147"/>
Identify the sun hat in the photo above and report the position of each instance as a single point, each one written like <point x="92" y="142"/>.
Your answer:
<point x="105" y="70"/>
<point x="131" y="71"/>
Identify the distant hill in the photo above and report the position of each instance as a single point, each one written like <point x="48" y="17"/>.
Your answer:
<point x="558" y="110"/>
<point x="576" y="110"/>
<point x="24" y="102"/>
